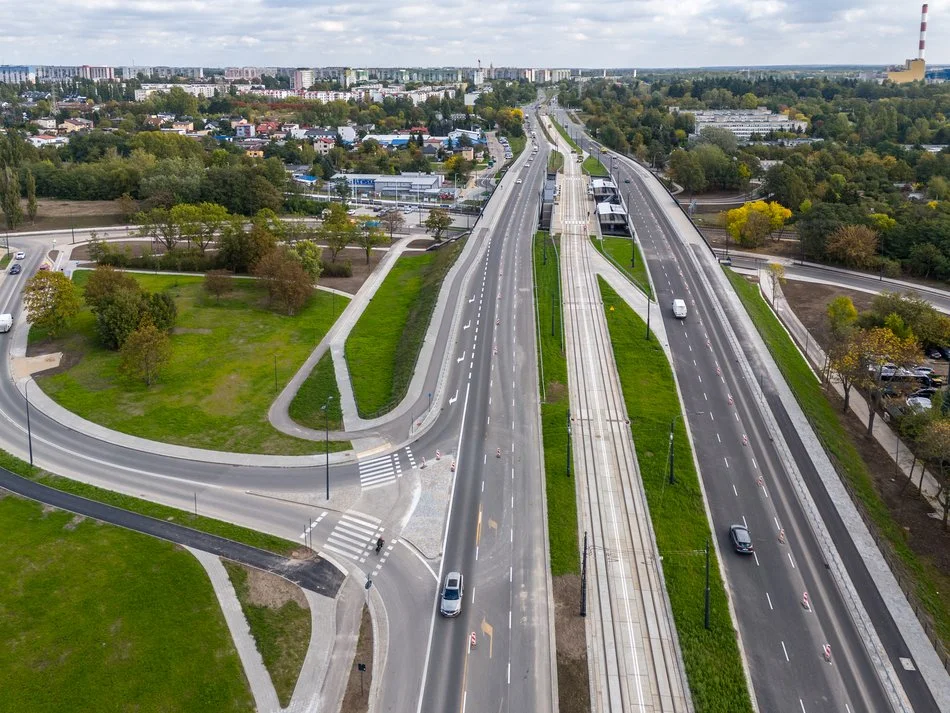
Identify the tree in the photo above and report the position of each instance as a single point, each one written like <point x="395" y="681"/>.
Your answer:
<point x="437" y="221"/>
<point x="145" y="351"/>
<point x="855" y="246"/>
<point x="127" y="207"/>
<point x="218" y="282"/>
<point x="879" y="346"/>
<point x="239" y="248"/>
<point x="687" y="171"/>
<point x="52" y="301"/>
<point x="287" y="283"/>
<point x="337" y="230"/>
<point x="342" y="188"/>
<point x="10" y="197"/>
<point x="31" y="205"/>
<point x="310" y="256"/>
<point x="160" y="310"/>
<point x="925" y="259"/>
<point x="103" y="283"/>
<point x="200" y="223"/>
<point x="776" y="277"/>
<point x="119" y="316"/>
<point x="160" y="223"/>
<point x="368" y="238"/>
<point x="935" y="449"/>
<point x="392" y="220"/>
<point x="723" y="138"/>
<point x="842" y="315"/>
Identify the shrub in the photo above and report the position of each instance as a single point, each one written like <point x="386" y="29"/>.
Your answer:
<point x="337" y="269"/>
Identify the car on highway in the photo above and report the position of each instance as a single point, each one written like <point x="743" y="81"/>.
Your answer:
<point x="679" y="308"/>
<point x="452" y="593"/>
<point x="16" y="269"/>
<point x="741" y="539"/>
<point x="626" y="180"/>
<point x="518" y="181"/>
<point x="19" y="256"/>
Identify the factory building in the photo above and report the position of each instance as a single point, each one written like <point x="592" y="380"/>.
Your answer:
<point x="914" y="69"/>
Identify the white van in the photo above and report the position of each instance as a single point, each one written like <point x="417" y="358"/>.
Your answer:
<point x="6" y="322"/>
<point x="679" y="309"/>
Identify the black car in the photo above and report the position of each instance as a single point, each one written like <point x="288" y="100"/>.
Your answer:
<point x="741" y="539"/>
<point x="16" y="269"/>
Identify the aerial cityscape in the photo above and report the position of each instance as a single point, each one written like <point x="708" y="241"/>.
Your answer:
<point x="451" y="358"/>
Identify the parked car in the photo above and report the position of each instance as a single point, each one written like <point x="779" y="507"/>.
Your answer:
<point x="741" y="539"/>
<point x="452" y="593"/>
<point x="19" y="256"/>
<point x="919" y="403"/>
<point x="927" y="393"/>
<point x="16" y="268"/>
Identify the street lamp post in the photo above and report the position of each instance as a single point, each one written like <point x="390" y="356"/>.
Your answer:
<point x="706" y="611"/>
<point x="326" y="414"/>
<point x="568" y="444"/>
<point x="649" y="303"/>
<point x="672" y="477"/>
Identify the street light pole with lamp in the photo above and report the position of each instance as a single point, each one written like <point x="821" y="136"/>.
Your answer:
<point x="326" y="414"/>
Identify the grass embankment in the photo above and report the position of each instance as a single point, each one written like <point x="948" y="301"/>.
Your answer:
<point x="237" y="533"/>
<point x="928" y="582"/>
<point x="517" y="144"/>
<point x="382" y="349"/>
<point x="281" y="629"/>
<point x="713" y="665"/>
<point x="555" y="161"/>
<point x="617" y="250"/>
<point x="229" y="358"/>
<point x="544" y="129"/>
<point x="307" y="406"/>
<point x="594" y="167"/>
<point x="98" y="618"/>
<point x="564" y="134"/>
<point x="5" y="260"/>
<point x="570" y="644"/>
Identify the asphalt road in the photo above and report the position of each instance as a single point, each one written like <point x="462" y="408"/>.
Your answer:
<point x="782" y="640"/>
<point x="496" y="538"/>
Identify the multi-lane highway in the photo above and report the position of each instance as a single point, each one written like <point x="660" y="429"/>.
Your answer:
<point x="750" y="458"/>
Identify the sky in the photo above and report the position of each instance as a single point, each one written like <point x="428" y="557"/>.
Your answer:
<point x="533" y="33"/>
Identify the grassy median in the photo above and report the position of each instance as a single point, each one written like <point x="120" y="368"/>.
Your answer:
<point x="382" y="349"/>
<point x="98" y="618"/>
<point x="229" y="359"/>
<point x="279" y="619"/>
<point x="555" y="161"/>
<point x="220" y="528"/>
<point x="617" y="250"/>
<point x="563" y="133"/>
<point x="928" y="581"/>
<point x="713" y="665"/>
<point x="593" y="167"/>
<point x="318" y="389"/>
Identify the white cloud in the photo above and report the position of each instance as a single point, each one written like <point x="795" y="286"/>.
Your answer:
<point x="608" y="33"/>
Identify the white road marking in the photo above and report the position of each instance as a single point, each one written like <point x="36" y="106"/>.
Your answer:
<point x="785" y="651"/>
<point x="756" y="556"/>
<point x="718" y="438"/>
<point x="727" y="461"/>
<point x="791" y="560"/>
<point x="734" y="490"/>
<point x="770" y="601"/>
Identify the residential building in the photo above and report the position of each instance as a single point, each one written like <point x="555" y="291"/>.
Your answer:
<point x="41" y="140"/>
<point x="745" y="122"/>
<point x="17" y="74"/>
<point x="70" y="126"/>
<point x="47" y="122"/>
<point x="267" y="128"/>
<point x="245" y="130"/>
<point x="301" y="79"/>
<point x="184" y="126"/>
<point x="195" y="90"/>
<point x="162" y="72"/>
<point x="323" y="144"/>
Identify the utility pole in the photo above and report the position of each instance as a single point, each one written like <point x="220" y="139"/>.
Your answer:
<point x="584" y="578"/>
<point x="706" y="613"/>
<point x="326" y="413"/>
<point x="672" y="477"/>
<point x="568" y="444"/>
<point x="29" y="432"/>
<point x="649" y="303"/>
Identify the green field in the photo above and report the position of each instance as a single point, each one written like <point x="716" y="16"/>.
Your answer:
<point x="617" y="250"/>
<point x="382" y="349"/>
<point x="144" y="507"/>
<point x="282" y="634"/>
<point x="713" y="665"/>
<point x="928" y="581"/>
<point x="229" y="358"/>
<point x="555" y="161"/>
<point x="307" y="406"/>
<point x="561" y="130"/>
<point x="5" y="259"/>
<point x="97" y="618"/>
<point x="562" y="500"/>
<point x="594" y="167"/>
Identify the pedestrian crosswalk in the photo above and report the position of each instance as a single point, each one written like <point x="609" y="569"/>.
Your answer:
<point x="354" y="537"/>
<point x="384" y="469"/>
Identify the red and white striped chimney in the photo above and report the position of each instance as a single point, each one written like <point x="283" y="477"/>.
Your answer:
<point x="923" y="31"/>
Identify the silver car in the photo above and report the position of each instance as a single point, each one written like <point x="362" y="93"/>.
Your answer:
<point x="452" y="593"/>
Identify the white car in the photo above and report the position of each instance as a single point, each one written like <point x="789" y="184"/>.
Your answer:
<point x="19" y="256"/>
<point x="919" y="403"/>
<point x="518" y="181"/>
<point x="679" y="308"/>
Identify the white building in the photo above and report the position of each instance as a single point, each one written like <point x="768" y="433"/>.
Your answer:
<point x="406" y="185"/>
<point x="17" y="74"/>
<point x="745" y="122"/>
<point x="301" y="79"/>
<point x="195" y="90"/>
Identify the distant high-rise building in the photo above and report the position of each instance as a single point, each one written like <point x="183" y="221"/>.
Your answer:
<point x="301" y="79"/>
<point x="17" y="74"/>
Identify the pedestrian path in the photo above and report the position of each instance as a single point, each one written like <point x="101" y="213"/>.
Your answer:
<point x="354" y="537"/>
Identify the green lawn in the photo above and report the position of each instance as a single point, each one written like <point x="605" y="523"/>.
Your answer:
<point x="617" y="250"/>
<point x="98" y="618"/>
<point x="594" y="167"/>
<point x="713" y="665"/>
<point x="517" y="144"/>
<point x="282" y="634"/>
<point x="567" y="138"/>
<point x="555" y="161"/>
<point x="562" y="499"/>
<point x="307" y="406"/>
<point x="382" y="349"/>
<point x="5" y="259"/>
<point x="237" y="533"/>
<point x="229" y="358"/>
<point x="824" y="419"/>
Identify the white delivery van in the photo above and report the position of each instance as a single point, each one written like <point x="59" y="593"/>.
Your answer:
<point x="6" y="322"/>
<point x="679" y="309"/>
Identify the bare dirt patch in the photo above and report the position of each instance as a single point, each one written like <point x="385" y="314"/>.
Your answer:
<point x="269" y="590"/>
<point x="55" y="214"/>
<point x="74" y="523"/>
<point x="356" y="698"/>
<point x="361" y="271"/>
<point x="810" y="301"/>
<point x="420" y="243"/>
<point x="573" y="681"/>
<point x="190" y="330"/>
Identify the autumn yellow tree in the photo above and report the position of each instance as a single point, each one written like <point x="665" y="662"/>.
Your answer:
<point x="855" y="246"/>
<point x="749" y="224"/>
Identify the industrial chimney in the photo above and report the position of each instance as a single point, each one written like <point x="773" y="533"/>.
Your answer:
<point x="923" y="31"/>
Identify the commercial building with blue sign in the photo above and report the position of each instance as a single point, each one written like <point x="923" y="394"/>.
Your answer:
<point x="427" y="186"/>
